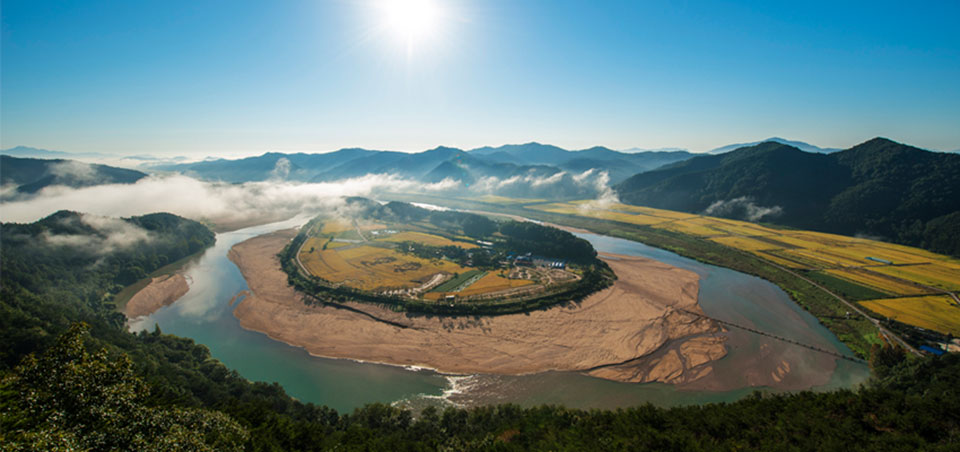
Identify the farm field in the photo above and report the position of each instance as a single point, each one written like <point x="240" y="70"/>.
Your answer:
<point x="369" y="267"/>
<point x="493" y="282"/>
<point x="936" y="312"/>
<point x="429" y="239"/>
<point x="338" y="254"/>
<point x="879" y="267"/>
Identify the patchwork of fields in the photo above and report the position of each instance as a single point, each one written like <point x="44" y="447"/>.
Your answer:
<point x="339" y="254"/>
<point x="911" y="281"/>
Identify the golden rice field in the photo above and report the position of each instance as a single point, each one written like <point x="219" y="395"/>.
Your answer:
<point x="930" y="274"/>
<point x="567" y="209"/>
<point x="494" y="199"/>
<point x="838" y="255"/>
<point x="336" y="226"/>
<point x="743" y="243"/>
<point x="876" y="281"/>
<point x="428" y="239"/>
<point x="493" y="282"/>
<point x="936" y="312"/>
<point x="369" y="267"/>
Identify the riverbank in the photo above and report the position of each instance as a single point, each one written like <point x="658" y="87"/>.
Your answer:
<point x="159" y="292"/>
<point x="633" y="331"/>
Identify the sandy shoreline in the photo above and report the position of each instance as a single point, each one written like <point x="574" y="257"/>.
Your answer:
<point x="631" y="331"/>
<point x="160" y="292"/>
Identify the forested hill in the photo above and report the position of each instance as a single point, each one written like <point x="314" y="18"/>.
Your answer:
<point x="879" y="188"/>
<point x="31" y="175"/>
<point x="70" y="264"/>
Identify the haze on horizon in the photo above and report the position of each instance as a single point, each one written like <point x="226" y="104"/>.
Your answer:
<point x="201" y="79"/>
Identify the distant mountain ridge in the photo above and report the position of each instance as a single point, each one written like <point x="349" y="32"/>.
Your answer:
<point x="503" y="162"/>
<point x="879" y="188"/>
<point x="29" y="152"/>
<point x="31" y="175"/>
<point x="806" y="147"/>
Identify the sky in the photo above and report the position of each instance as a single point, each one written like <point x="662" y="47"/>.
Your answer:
<point x="240" y="77"/>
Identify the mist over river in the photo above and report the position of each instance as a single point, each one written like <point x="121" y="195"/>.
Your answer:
<point x="205" y="315"/>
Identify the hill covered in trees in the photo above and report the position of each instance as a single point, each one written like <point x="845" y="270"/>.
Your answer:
<point x="879" y="188"/>
<point x="30" y="175"/>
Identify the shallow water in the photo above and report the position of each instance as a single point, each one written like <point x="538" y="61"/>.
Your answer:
<point x="205" y="315"/>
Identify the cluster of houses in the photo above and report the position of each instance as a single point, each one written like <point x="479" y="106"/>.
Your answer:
<point x="529" y="260"/>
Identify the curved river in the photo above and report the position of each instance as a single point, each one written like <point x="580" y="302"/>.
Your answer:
<point x="204" y="314"/>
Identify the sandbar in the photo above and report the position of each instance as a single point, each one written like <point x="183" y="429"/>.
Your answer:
<point x="160" y="292"/>
<point x="643" y="328"/>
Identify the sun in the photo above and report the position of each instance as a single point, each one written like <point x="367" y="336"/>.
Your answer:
<point x="411" y="20"/>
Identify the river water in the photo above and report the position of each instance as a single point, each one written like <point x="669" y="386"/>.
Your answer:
<point x="204" y="315"/>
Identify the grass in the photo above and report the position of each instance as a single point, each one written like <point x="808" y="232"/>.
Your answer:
<point x="935" y="312"/>
<point x="456" y="281"/>
<point x="846" y="289"/>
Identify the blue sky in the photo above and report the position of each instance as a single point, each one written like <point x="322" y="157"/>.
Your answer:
<point x="242" y="77"/>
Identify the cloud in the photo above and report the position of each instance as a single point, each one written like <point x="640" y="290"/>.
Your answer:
<point x="281" y="169"/>
<point x="742" y="207"/>
<point x="588" y="184"/>
<point x="220" y="203"/>
<point x="73" y="170"/>
<point x="110" y="234"/>
<point x="237" y="205"/>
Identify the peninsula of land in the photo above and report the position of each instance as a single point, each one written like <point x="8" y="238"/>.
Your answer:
<point x="644" y="328"/>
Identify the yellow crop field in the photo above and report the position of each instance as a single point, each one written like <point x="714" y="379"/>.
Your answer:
<point x="935" y="275"/>
<point x="429" y="239"/>
<point x="373" y="268"/>
<point x="735" y="227"/>
<point x="768" y="255"/>
<point x="794" y="241"/>
<point x="599" y="213"/>
<point x="860" y="251"/>
<point x="935" y="312"/>
<point x="878" y="282"/>
<point x="505" y="200"/>
<point x="689" y="227"/>
<point x="640" y="210"/>
<point x="332" y="245"/>
<point x="793" y="248"/>
<point x="743" y="243"/>
<point x="335" y="226"/>
<point x="825" y="258"/>
<point x="493" y="282"/>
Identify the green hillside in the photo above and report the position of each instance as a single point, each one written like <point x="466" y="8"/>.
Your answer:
<point x="879" y="188"/>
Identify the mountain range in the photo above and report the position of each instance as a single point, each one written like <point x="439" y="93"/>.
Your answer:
<point x="806" y="147"/>
<point x="504" y="162"/>
<point x="879" y="188"/>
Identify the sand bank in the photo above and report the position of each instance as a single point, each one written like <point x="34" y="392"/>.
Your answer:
<point x="631" y="331"/>
<point x="160" y="292"/>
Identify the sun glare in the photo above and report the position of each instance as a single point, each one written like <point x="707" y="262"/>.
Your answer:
<point x="411" y="20"/>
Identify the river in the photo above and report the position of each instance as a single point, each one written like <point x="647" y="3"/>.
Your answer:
<point x="204" y="315"/>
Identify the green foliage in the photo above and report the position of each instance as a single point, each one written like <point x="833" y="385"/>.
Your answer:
<point x="69" y="398"/>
